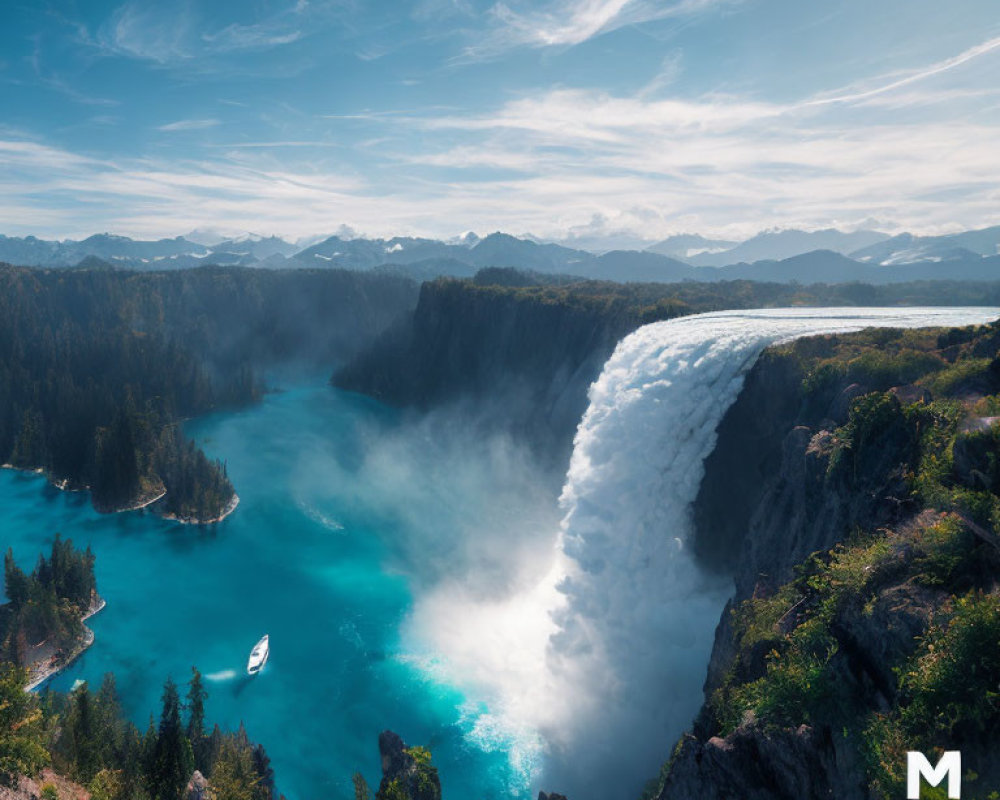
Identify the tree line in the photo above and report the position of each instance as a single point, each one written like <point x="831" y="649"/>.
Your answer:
<point x="84" y="736"/>
<point x="47" y="605"/>
<point x="98" y="367"/>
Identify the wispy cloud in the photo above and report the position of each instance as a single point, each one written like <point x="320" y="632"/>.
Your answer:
<point x="63" y="192"/>
<point x="911" y="77"/>
<point x="189" y="125"/>
<point x="150" y="32"/>
<point x="250" y="37"/>
<point x="571" y="22"/>
<point x="172" y="33"/>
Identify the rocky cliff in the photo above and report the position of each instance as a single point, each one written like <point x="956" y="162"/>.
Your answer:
<point x="407" y="772"/>
<point x="855" y="477"/>
<point x="519" y="358"/>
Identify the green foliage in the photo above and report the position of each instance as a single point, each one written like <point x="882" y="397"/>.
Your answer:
<point x="46" y="606"/>
<point x="955" y="681"/>
<point x="92" y="743"/>
<point x="797" y="684"/>
<point x="195" y="708"/>
<point x="960" y="375"/>
<point x="945" y="549"/>
<point x="426" y="780"/>
<point x="106" y="785"/>
<point x="50" y="792"/>
<point x="234" y="776"/>
<point x="393" y="790"/>
<point x="361" y="790"/>
<point x="756" y="620"/>
<point x="796" y="687"/>
<point x="879" y="369"/>
<point x="22" y="748"/>
<point x="877" y="425"/>
<point x="813" y="651"/>
<point x="949" y="693"/>
<point x="173" y="759"/>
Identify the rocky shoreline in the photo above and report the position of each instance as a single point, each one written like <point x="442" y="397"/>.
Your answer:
<point x="40" y="671"/>
<point x="229" y="509"/>
<point x="146" y="502"/>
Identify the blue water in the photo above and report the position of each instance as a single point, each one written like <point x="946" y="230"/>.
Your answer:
<point x="313" y="558"/>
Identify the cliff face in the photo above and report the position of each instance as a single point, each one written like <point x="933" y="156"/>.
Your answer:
<point x="520" y="359"/>
<point x="855" y="478"/>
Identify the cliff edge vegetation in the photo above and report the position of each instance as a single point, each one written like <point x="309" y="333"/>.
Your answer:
<point x="866" y="621"/>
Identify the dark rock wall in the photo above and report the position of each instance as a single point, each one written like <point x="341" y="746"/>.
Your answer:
<point x="517" y="361"/>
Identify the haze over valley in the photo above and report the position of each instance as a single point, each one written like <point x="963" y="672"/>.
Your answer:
<point x="556" y="399"/>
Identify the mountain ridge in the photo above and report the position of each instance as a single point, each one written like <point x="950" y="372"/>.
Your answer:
<point x="830" y="256"/>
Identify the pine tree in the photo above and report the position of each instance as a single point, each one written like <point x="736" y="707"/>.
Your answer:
<point x="22" y="751"/>
<point x="111" y="730"/>
<point x="361" y="790"/>
<point x="85" y="735"/>
<point x="265" y="773"/>
<point x="196" y="697"/>
<point x="173" y="761"/>
<point x="234" y="776"/>
<point x="16" y="584"/>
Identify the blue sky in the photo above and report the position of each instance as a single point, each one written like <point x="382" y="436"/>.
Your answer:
<point x="558" y="118"/>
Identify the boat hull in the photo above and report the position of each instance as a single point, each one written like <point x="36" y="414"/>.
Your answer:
<point x="259" y="656"/>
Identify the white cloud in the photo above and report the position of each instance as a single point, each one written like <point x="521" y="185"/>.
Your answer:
<point x="571" y="22"/>
<point x="568" y="24"/>
<point x="190" y="125"/>
<point x="920" y="155"/>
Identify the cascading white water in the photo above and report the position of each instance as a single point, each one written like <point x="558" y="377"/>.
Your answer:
<point x="606" y="656"/>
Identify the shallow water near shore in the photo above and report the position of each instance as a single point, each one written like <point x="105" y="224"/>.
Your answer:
<point x="308" y="558"/>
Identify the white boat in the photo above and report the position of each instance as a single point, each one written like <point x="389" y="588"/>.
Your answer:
<point x="258" y="656"/>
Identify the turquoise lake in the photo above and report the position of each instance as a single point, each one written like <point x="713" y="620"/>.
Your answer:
<point x="320" y="556"/>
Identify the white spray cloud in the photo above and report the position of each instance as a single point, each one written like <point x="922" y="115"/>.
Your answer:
<point x="599" y="665"/>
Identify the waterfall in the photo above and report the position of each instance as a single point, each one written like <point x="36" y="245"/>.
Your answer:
<point x="606" y="658"/>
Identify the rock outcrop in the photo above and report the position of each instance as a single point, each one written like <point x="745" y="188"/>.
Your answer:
<point x="407" y="772"/>
<point x="31" y="788"/>
<point x="197" y="788"/>
<point x="755" y="764"/>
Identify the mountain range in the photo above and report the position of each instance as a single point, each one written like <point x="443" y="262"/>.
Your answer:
<point x="823" y="256"/>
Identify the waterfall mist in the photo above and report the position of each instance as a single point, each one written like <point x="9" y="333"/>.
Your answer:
<point x="594" y="666"/>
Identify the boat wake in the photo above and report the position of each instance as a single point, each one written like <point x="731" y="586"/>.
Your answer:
<point x="222" y="675"/>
